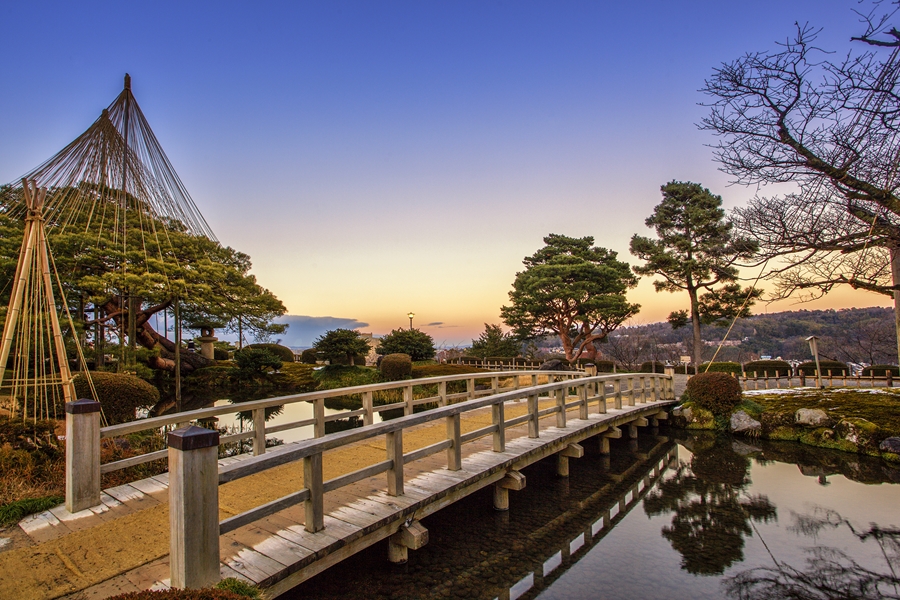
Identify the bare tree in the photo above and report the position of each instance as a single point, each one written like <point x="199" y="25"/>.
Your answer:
<point x="831" y="128"/>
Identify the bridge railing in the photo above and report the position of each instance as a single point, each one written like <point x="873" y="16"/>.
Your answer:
<point x="193" y="485"/>
<point x="84" y="434"/>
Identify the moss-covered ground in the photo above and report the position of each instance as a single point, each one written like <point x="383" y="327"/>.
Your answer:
<point x="878" y="405"/>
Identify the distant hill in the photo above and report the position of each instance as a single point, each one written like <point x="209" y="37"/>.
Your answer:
<point x="860" y="335"/>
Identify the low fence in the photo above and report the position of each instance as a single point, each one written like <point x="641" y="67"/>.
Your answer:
<point x="764" y="381"/>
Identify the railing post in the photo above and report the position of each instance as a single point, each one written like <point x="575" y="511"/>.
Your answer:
<point x="495" y="384"/>
<point x="534" y="380"/>
<point x="395" y="455"/>
<point x="369" y="417"/>
<point x="454" y="452"/>
<point x="319" y="415"/>
<point x="498" y="418"/>
<point x="314" y="506"/>
<point x="193" y="507"/>
<point x="561" y="405"/>
<point x="534" y="426"/>
<point x="470" y="387"/>
<point x="408" y="400"/>
<point x="583" y="396"/>
<point x="259" y="431"/>
<point x="631" y="391"/>
<point x="442" y="393"/>
<point x="601" y="391"/>
<point x="617" y="392"/>
<point x="82" y="454"/>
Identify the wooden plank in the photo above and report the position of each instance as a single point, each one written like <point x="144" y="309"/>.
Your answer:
<point x="248" y="562"/>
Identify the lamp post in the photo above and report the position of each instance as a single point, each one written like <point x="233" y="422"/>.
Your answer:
<point x="814" y="348"/>
<point x="410" y="315"/>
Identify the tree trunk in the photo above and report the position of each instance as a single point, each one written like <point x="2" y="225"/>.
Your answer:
<point x="895" y="280"/>
<point x="695" y="325"/>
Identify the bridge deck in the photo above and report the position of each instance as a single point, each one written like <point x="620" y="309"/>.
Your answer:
<point x="277" y="552"/>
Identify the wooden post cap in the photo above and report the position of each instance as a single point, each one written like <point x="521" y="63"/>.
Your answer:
<point x="192" y="438"/>
<point x="82" y="406"/>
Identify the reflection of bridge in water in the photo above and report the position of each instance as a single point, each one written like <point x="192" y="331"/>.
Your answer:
<point x="593" y="518"/>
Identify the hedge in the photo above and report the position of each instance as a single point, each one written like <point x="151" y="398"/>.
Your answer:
<point x="881" y="371"/>
<point x="768" y="368"/>
<point x="648" y="367"/>
<point x="309" y="356"/>
<point x="720" y="367"/>
<point x="119" y="394"/>
<point x="836" y="367"/>
<point x="282" y="352"/>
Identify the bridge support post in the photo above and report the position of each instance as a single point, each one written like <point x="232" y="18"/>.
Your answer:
<point x="82" y="454"/>
<point x="562" y="458"/>
<point x="514" y="480"/>
<point x="614" y="432"/>
<point x="633" y="427"/>
<point x="193" y="507"/>
<point x="660" y="416"/>
<point x="412" y="536"/>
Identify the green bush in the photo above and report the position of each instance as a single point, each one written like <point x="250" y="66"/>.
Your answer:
<point x="767" y="368"/>
<point x="309" y="356"/>
<point x="653" y="367"/>
<point x="718" y="393"/>
<point x="119" y="394"/>
<point x="255" y="361"/>
<point x="282" y="352"/>
<point x="837" y="368"/>
<point x="221" y="354"/>
<point x="720" y="367"/>
<point x="881" y="371"/>
<point x="395" y="367"/>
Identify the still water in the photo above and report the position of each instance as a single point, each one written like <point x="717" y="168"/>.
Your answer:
<point x="696" y="517"/>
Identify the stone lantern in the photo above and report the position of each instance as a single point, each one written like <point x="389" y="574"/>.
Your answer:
<point x="206" y="340"/>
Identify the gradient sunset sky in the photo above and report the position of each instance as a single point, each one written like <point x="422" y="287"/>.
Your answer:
<point x="376" y="158"/>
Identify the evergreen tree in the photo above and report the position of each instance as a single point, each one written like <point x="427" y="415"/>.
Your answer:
<point x="493" y="342"/>
<point x="696" y="252"/>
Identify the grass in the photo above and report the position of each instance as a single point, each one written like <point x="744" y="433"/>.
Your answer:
<point x="13" y="512"/>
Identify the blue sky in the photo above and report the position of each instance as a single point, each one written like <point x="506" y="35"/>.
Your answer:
<point x="377" y="158"/>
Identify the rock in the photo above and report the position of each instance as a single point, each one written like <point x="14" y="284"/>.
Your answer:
<point x="891" y="444"/>
<point x="741" y="421"/>
<point x="857" y="431"/>
<point x="814" y="417"/>
<point x="554" y="365"/>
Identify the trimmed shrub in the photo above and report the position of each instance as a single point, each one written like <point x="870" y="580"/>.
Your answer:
<point x="395" y="367"/>
<point x="119" y="394"/>
<point x="653" y="367"/>
<point x="255" y="361"/>
<point x="282" y="352"/>
<point x="718" y="393"/>
<point x="605" y="366"/>
<point x="309" y="356"/>
<point x="721" y="367"/>
<point x="221" y="354"/>
<point x="836" y="367"/>
<point x="881" y="371"/>
<point x="418" y="344"/>
<point x="768" y="368"/>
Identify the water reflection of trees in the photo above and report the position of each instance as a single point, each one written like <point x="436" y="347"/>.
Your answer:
<point x="829" y="572"/>
<point x="712" y="510"/>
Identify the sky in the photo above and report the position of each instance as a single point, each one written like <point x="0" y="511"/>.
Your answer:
<point x="376" y="159"/>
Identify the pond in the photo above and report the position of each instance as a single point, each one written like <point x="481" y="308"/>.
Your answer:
<point x="700" y="516"/>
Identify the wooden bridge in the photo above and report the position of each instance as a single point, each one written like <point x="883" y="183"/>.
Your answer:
<point x="427" y="460"/>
